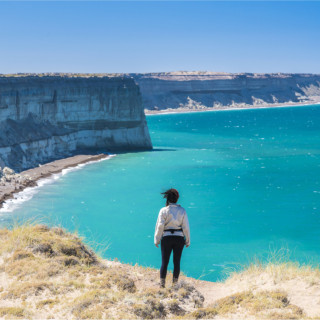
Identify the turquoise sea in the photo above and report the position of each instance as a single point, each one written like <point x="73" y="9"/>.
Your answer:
<point x="249" y="180"/>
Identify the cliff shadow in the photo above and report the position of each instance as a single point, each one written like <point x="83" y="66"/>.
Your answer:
<point x="139" y="151"/>
<point x="162" y="149"/>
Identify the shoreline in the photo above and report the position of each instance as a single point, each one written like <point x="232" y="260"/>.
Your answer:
<point x="31" y="176"/>
<point x="232" y="108"/>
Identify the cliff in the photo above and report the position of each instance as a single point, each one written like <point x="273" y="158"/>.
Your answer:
<point x="200" y="90"/>
<point x="48" y="273"/>
<point x="50" y="116"/>
<point x="47" y="117"/>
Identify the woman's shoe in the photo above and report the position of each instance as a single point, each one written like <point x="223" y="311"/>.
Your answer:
<point x="174" y="281"/>
<point x="162" y="282"/>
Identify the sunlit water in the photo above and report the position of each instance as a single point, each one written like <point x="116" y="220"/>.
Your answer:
<point x="249" y="180"/>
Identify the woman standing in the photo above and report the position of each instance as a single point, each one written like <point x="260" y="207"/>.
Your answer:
<point x="172" y="229"/>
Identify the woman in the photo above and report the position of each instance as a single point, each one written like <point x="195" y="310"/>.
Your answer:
<point x="172" y="229"/>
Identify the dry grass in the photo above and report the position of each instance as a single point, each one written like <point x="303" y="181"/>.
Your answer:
<point x="280" y="272"/>
<point x="45" y="240"/>
<point x="13" y="312"/>
<point x="55" y="275"/>
<point x="24" y="290"/>
<point x="262" y="305"/>
<point x="279" y="267"/>
<point x="51" y="274"/>
<point x="47" y="303"/>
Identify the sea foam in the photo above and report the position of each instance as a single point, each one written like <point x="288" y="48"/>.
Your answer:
<point x="20" y="197"/>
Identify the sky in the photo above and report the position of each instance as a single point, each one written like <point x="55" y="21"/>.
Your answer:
<point x="151" y="36"/>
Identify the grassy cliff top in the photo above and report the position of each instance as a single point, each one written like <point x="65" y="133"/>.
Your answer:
<point x="172" y="74"/>
<point x="60" y="74"/>
<point x="49" y="273"/>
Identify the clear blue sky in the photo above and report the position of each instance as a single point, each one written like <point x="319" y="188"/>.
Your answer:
<point x="159" y="36"/>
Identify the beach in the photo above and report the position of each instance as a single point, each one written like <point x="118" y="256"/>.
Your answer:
<point x="202" y="108"/>
<point x="18" y="182"/>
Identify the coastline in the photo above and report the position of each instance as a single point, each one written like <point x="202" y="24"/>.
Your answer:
<point x="235" y="107"/>
<point x="31" y="176"/>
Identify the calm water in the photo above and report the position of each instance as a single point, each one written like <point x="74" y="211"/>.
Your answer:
<point x="249" y="180"/>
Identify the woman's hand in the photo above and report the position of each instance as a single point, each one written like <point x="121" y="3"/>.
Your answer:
<point x="187" y="245"/>
<point x="156" y="245"/>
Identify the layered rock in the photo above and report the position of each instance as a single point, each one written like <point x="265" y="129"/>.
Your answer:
<point x="43" y="118"/>
<point x="200" y="90"/>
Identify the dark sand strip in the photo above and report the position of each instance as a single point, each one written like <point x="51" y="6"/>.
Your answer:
<point x="8" y="188"/>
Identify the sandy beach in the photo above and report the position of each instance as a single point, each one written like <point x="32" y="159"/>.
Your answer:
<point x="234" y="107"/>
<point x="18" y="182"/>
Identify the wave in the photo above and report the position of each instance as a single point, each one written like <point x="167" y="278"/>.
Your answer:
<point x="27" y="194"/>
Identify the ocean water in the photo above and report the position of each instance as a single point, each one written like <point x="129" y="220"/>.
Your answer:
<point x="249" y="181"/>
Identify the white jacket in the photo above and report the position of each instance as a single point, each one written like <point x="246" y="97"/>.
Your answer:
<point x="172" y="217"/>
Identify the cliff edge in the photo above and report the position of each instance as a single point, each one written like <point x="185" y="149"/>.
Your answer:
<point x="48" y="117"/>
<point x="49" y="273"/>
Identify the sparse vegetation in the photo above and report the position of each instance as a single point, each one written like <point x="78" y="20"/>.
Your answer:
<point x="279" y="265"/>
<point x="61" y="74"/>
<point x="264" y="304"/>
<point x="56" y="275"/>
<point x="281" y="271"/>
<point x="47" y="303"/>
<point x="51" y="274"/>
<point x="13" y="312"/>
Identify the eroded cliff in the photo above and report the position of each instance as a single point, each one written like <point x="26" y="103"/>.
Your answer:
<point x="198" y="90"/>
<point x="43" y="118"/>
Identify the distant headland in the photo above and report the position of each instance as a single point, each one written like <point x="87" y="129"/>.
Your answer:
<point x="200" y="91"/>
<point x="182" y="91"/>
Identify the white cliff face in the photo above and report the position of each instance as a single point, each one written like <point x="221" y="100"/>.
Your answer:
<point x="196" y="90"/>
<point x="47" y="118"/>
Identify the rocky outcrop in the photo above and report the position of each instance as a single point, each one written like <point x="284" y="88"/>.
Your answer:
<point x="43" y="118"/>
<point x="7" y="175"/>
<point x="200" y="90"/>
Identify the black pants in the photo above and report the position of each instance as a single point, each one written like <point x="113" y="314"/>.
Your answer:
<point x="168" y="244"/>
